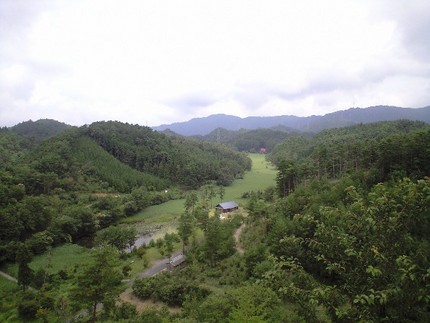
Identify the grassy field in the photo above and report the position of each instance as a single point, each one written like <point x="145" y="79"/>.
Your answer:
<point x="8" y="311"/>
<point x="65" y="257"/>
<point x="261" y="176"/>
<point x="158" y="213"/>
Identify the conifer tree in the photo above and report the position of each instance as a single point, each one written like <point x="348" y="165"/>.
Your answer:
<point x="25" y="273"/>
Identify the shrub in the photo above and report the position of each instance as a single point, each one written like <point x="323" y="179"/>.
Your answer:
<point x="125" y="311"/>
<point x="170" y="289"/>
<point x="27" y="307"/>
<point x="143" y="288"/>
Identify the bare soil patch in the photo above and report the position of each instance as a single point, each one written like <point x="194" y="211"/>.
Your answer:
<point x="141" y="305"/>
<point x="237" y="238"/>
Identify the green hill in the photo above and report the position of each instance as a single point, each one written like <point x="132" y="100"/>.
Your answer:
<point x="39" y="130"/>
<point x="71" y="184"/>
<point x="249" y="140"/>
<point x="183" y="161"/>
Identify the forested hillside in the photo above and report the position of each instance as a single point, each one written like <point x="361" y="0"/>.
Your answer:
<point x="249" y="140"/>
<point x="350" y="229"/>
<point x="69" y="186"/>
<point x="184" y="161"/>
<point x="373" y="151"/>
<point x="343" y="236"/>
<point x="39" y="130"/>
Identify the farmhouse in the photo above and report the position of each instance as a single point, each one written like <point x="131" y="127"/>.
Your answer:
<point x="227" y="207"/>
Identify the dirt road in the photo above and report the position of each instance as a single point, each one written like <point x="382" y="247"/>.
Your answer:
<point x="237" y="239"/>
<point x="157" y="267"/>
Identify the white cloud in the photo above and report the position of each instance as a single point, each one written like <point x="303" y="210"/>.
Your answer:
<point x="153" y="62"/>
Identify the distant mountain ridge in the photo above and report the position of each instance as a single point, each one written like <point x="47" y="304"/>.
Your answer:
<point x="343" y="118"/>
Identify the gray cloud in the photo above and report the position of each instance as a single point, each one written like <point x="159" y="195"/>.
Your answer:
<point x="116" y="64"/>
<point x="416" y="26"/>
<point x="189" y="105"/>
<point x="16" y="19"/>
<point x="192" y="101"/>
<point x="253" y="95"/>
<point x="413" y="22"/>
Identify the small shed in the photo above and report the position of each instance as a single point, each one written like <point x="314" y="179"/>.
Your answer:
<point x="227" y="207"/>
<point x="177" y="261"/>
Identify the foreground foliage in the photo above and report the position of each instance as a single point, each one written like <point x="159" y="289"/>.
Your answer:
<point x="97" y="283"/>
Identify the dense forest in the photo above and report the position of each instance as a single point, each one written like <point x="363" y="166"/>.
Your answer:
<point x="343" y="236"/>
<point x="39" y="130"/>
<point x="49" y="190"/>
<point x="181" y="160"/>
<point x="373" y="152"/>
<point x="250" y="140"/>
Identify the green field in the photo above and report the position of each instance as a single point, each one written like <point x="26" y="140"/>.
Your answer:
<point x="261" y="176"/>
<point x="158" y="213"/>
<point x="8" y="291"/>
<point x="65" y="257"/>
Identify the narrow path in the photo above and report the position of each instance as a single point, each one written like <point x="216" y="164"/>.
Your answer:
<point x="8" y="277"/>
<point x="13" y="279"/>
<point x="237" y="239"/>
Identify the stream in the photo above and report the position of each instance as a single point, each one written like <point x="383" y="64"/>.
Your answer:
<point x="142" y="239"/>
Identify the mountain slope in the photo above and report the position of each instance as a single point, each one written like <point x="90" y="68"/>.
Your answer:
<point x="184" y="161"/>
<point x="249" y="140"/>
<point x="372" y="114"/>
<point x="203" y="126"/>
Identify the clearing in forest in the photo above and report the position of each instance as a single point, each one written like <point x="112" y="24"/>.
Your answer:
<point x="261" y="176"/>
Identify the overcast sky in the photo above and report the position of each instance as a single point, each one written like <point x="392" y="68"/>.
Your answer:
<point x="156" y="62"/>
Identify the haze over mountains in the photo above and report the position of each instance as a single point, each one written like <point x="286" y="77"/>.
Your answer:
<point x="344" y="118"/>
<point x="229" y="124"/>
